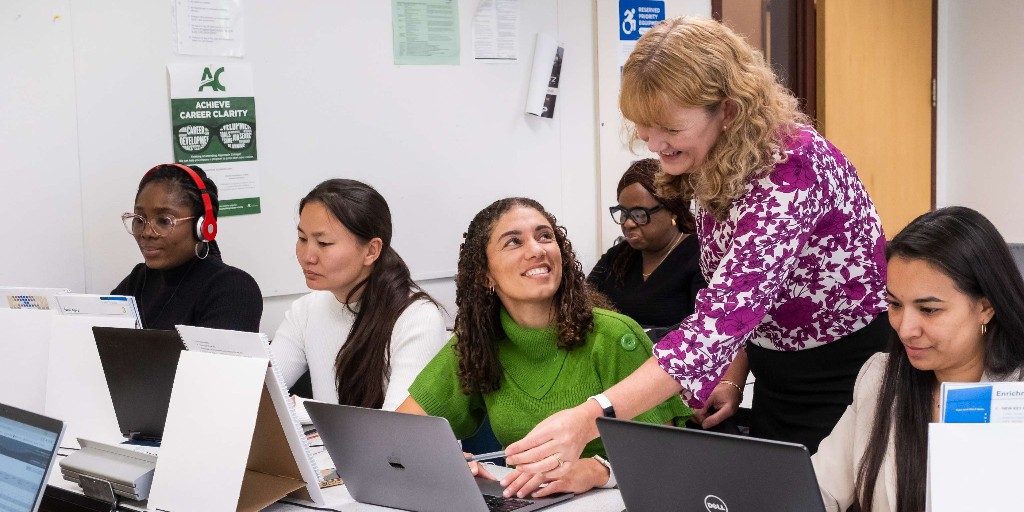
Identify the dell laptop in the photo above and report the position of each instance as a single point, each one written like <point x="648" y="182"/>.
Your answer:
<point x="662" y="468"/>
<point x="139" y="365"/>
<point x="28" y="447"/>
<point x="408" y="461"/>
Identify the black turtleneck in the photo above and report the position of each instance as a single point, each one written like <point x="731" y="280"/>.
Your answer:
<point x="203" y="293"/>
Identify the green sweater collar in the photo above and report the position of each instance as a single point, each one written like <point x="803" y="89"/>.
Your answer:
<point x="530" y="357"/>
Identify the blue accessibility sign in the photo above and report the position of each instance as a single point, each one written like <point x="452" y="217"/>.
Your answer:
<point x="637" y="16"/>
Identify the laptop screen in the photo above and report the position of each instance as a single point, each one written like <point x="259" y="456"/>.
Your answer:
<point x="28" y="446"/>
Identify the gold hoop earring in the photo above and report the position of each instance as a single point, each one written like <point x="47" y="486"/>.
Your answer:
<point x="984" y="329"/>
<point x="673" y="221"/>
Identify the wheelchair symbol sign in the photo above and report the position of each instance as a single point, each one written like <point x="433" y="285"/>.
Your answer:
<point x="637" y="16"/>
<point x="629" y="21"/>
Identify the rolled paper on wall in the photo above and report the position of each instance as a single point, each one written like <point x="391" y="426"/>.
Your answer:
<point x="547" y="68"/>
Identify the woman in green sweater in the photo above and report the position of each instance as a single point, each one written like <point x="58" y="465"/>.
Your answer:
<point x="530" y="339"/>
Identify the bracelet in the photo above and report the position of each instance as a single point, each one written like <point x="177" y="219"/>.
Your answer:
<point x="611" y="483"/>
<point x="733" y="384"/>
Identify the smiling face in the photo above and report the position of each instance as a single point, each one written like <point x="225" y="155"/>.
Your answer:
<point x="683" y="140"/>
<point x="656" y="234"/>
<point x="939" y="325"/>
<point x="331" y="257"/>
<point x="164" y="252"/>
<point x="524" y="263"/>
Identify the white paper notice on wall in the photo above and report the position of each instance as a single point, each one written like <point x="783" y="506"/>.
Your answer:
<point x="547" y="68"/>
<point x="209" y="27"/>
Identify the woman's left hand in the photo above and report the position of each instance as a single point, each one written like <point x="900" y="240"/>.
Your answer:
<point x="576" y="476"/>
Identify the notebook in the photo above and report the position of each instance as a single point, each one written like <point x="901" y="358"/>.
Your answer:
<point x="139" y="366"/>
<point x="667" y="468"/>
<point x="408" y="462"/>
<point x="28" y="447"/>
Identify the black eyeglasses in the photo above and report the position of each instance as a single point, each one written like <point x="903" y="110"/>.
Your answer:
<point x="235" y="136"/>
<point x="639" y="214"/>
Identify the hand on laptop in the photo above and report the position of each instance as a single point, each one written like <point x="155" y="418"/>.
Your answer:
<point x="478" y="469"/>
<point x="565" y="433"/>
<point x="575" y="477"/>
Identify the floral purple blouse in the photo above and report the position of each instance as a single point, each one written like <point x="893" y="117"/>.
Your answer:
<point x="798" y="264"/>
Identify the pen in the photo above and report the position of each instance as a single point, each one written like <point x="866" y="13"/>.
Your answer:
<point x="485" y="456"/>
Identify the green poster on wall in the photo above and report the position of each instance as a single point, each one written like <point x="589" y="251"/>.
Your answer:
<point x="213" y="125"/>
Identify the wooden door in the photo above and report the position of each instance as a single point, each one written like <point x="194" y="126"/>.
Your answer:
<point x="875" y="75"/>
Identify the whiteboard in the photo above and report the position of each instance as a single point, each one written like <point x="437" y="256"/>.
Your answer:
<point x="439" y="142"/>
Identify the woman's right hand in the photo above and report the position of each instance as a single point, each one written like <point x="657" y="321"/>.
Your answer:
<point x="560" y="437"/>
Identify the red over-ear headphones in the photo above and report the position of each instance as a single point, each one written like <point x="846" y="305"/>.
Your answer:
<point x="206" y="226"/>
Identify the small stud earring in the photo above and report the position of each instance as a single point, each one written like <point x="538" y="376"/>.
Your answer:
<point x="673" y="221"/>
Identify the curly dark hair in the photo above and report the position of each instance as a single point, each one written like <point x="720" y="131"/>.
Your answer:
<point x="478" y="321"/>
<point x="645" y="172"/>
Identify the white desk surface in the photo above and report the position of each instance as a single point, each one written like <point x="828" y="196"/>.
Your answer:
<point x="338" y="498"/>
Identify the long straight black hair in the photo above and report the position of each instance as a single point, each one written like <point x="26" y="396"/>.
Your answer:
<point x="962" y="244"/>
<point x="363" y="362"/>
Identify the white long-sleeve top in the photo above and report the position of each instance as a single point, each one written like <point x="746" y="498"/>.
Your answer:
<point x="317" y="326"/>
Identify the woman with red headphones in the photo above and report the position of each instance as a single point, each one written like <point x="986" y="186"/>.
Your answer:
<point x="183" y="280"/>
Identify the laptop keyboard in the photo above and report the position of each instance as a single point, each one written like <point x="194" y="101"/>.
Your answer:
<point x="501" y="504"/>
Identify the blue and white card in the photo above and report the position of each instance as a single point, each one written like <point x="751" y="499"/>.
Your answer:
<point x="982" y="402"/>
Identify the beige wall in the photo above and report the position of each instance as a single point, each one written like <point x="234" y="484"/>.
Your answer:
<point x="746" y="18"/>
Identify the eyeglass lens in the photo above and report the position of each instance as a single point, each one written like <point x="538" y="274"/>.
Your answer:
<point x="639" y="215"/>
<point x="162" y="224"/>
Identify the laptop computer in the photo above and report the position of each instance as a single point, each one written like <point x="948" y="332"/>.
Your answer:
<point x="408" y="461"/>
<point x="139" y="365"/>
<point x="667" y="468"/>
<point x="28" y="447"/>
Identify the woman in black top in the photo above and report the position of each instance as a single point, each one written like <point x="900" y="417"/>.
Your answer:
<point x="183" y="280"/>
<point x="653" y="275"/>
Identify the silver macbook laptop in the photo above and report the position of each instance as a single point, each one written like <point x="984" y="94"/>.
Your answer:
<point x="28" y="447"/>
<point x="407" y="461"/>
<point x="667" y="468"/>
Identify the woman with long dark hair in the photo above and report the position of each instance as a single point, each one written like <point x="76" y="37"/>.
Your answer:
<point x="183" y="280"/>
<point x="367" y="329"/>
<point x="956" y="305"/>
<point x="531" y="338"/>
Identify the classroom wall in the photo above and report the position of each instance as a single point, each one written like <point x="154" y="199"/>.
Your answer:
<point x="978" y="133"/>
<point x="41" y="197"/>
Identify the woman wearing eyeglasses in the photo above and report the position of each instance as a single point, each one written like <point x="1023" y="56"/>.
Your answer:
<point x="654" y="274"/>
<point x="790" y="241"/>
<point x="183" y="280"/>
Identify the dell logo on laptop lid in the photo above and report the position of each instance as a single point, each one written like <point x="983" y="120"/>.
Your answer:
<point x="715" y="504"/>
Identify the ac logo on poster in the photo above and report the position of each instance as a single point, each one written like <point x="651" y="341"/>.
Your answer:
<point x="211" y="80"/>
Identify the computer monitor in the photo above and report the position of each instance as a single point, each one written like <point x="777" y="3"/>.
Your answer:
<point x="139" y="365"/>
<point x="28" y="447"/>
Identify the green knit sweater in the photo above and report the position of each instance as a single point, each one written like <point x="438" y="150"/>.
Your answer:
<point x="541" y="379"/>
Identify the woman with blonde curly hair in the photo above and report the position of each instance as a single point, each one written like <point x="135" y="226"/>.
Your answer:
<point x="531" y="338"/>
<point x="791" y="246"/>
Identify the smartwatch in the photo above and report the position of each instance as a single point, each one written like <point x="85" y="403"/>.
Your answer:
<point x="606" y="405"/>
